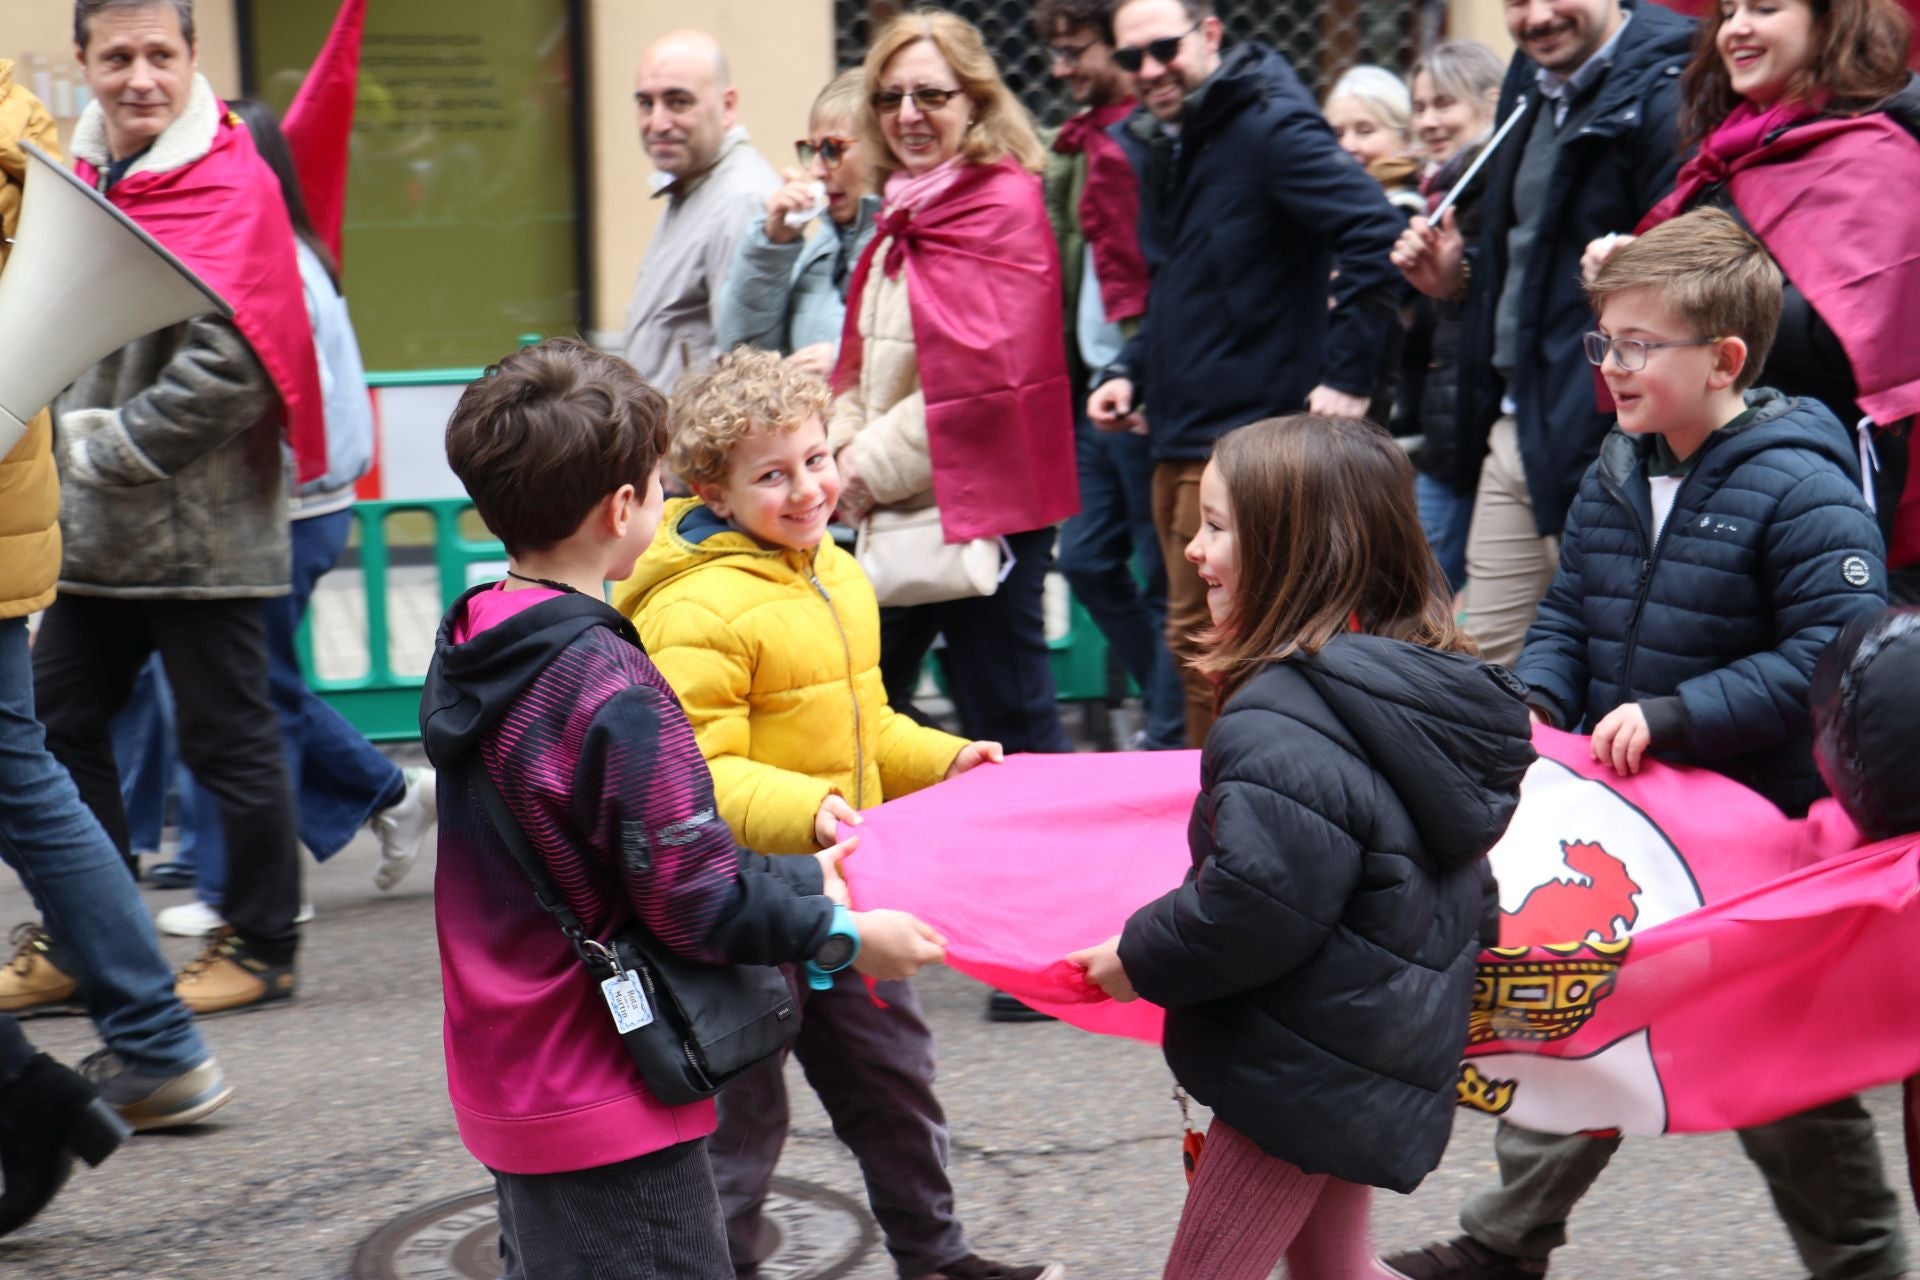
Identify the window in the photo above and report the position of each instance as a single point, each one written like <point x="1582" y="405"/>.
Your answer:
<point x="463" y="225"/>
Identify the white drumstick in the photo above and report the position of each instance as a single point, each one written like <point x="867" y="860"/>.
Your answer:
<point x="1486" y="153"/>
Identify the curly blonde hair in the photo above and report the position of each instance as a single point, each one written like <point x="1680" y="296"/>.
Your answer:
<point x="743" y="392"/>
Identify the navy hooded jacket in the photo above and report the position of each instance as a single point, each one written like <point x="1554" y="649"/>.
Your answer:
<point x="1616" y="157"/>
<point x="1769" y="550"/>
<point x="1241" y="225"/>
<point x="1317" y="965"/>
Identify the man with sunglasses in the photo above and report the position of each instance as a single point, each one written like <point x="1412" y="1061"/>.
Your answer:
<point x="787" y="291"/>
<point x="1093" y="201"/>
<point x="714" y="183"/>
<point x="1247" y="206"/>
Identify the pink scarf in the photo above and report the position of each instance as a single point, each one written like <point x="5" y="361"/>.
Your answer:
<point x="1726" y="151"/>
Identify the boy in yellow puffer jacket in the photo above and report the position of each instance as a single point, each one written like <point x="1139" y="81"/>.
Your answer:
<point x="770" y="635"/>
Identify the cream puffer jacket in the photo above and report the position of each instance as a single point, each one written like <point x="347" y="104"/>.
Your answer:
<point x="881" y="421"/>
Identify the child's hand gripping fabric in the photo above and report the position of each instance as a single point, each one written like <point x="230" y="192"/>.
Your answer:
<point x="1621" y="739"/>
<point x="975" y="754"/>
<point x="834" y="810"/>
<point x="1104" y="969"/>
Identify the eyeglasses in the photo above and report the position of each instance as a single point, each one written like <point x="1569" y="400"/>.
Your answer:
<point x="830" y="149"/>
<point x="1631" y="353"/>
<point x="1070" y="54"/>
<point x="1129" y="57"/>
<point x="887" y="101"/>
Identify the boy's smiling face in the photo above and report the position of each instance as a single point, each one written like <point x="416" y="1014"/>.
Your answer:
<point x="1675" y="393"/>
<point x="780" y="488"/>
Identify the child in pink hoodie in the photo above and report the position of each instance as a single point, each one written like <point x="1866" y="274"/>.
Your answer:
<point x="538" y="681"/>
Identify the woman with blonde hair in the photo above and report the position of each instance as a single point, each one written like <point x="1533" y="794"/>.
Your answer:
<point x="954" y="394"/>
<point x="1371" y="114"/>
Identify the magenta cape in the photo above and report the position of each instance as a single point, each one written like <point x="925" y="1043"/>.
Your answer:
<point x="983" y="278"/>
<point x="1715" y="965"/>
<point x="223" y="217"/>
<point x="1109" y="209"/>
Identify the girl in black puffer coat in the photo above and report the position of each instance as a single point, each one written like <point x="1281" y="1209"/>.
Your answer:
<point x="1317" y="964"/>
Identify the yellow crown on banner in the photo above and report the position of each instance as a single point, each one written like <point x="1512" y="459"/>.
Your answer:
<point x="1541" y="993"/>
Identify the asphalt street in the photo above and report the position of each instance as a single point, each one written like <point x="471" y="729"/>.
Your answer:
<point x="1066" y="1145"/>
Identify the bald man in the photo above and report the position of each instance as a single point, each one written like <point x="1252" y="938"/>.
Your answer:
<point x="715" y="184"/>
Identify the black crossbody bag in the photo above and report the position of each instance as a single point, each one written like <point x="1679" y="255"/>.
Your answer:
<point x="691" y="1027"/>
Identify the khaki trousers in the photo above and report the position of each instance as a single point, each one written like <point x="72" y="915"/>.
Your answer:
<point x="1176" y="518"/>
<point x="1509" y="565"/>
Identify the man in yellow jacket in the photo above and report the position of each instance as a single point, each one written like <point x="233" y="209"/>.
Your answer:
<point x="770" y="635"/>
<point x="156" y="1069"/>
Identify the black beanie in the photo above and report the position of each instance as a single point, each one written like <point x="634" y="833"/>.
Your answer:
<point x="1866" y="722"/>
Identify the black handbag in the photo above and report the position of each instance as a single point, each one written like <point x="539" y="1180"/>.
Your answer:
<point x="691" y="1027"/>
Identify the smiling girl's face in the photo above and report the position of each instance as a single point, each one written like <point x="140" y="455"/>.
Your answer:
<point x="1213" y="551"/>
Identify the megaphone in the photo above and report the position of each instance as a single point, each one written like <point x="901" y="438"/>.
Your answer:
<point x="83" y="281"/>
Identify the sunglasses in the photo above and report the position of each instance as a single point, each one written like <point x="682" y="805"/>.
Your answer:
<point x="1163" y="51"/>
<point x="830" y="149"/>
<point x="887" y="102"/>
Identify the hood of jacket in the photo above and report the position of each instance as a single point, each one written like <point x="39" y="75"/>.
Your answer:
<point x="470" y="685"/>
<point x="1865" y="734"/>
<point x="1248" y="74"/>
<point x="692" y="537"/>
<point x="1449" y="733"/>
<point x="1779" y="421"/>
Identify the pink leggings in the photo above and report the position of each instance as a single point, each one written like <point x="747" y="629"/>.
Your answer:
<point x="1247" y="1210"/>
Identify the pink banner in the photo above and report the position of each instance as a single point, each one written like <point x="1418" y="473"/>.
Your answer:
<point x="1680" y="956"/>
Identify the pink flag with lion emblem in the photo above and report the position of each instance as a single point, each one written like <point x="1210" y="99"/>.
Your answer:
<point x="1677" y="955"/>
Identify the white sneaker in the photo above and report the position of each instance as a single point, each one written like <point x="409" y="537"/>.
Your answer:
<point x="402" y="826"/>
<point x="189" y="920"/>
<point x="196" y="919"/>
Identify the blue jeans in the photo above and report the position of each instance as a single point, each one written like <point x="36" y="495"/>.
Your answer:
<point x="143" y="752"/>
<point x="81" y="886"/>
<point x="339" y="778"/>
<point x="1111" y="558"/>
<point x="1445" y="514"/>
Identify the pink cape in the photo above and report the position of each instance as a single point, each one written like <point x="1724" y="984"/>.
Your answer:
<point x="223" y="217"/>
<point x="983" y="279"/>
<point x="1694" y="929"/>
<point x="1109" y="208"/>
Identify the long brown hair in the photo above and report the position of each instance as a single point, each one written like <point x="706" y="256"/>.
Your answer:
<point x="1859" y="61"/>
<point x="1327" y="534"/>
<point x="1001" y="126"/>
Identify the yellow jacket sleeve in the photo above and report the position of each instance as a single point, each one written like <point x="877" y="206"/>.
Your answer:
<point x="911" y="755"/>
<point x="711" y="669"/>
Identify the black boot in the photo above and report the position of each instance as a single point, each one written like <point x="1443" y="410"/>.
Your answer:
<point x="49" y="1115"/>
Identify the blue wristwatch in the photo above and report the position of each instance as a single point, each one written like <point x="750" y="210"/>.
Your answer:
<point x="836" y="953"/>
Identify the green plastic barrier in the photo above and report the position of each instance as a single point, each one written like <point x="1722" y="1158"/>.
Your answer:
<point x="386" y="707"/>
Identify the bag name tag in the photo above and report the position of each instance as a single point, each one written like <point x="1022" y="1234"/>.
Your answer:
<point x="628" y="1002"/>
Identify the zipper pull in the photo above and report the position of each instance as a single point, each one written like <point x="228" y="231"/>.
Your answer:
<point x="1646" y="569"/>
<point x="819" y="586"/>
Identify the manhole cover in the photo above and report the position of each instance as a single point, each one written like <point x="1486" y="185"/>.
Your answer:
<point x="819" y="1234"/>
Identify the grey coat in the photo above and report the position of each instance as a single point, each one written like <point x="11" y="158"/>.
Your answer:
<point x="782" y="297"/>
<point x="172" y="470"/>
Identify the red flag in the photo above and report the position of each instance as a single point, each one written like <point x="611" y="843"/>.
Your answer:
<point x="319" y="123"/>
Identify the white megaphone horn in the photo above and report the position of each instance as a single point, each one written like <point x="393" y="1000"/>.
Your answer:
<point x="83" y="281"/>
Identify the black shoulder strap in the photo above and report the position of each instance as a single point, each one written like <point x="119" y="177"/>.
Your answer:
<point x="592" y="954"/>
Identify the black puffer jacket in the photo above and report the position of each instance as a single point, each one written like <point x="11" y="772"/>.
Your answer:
<point x="1865" y="735"/>
<point x="1447" y="452"/>
<point x="1714" y="631"/>
<point x="1317" y="965"/>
